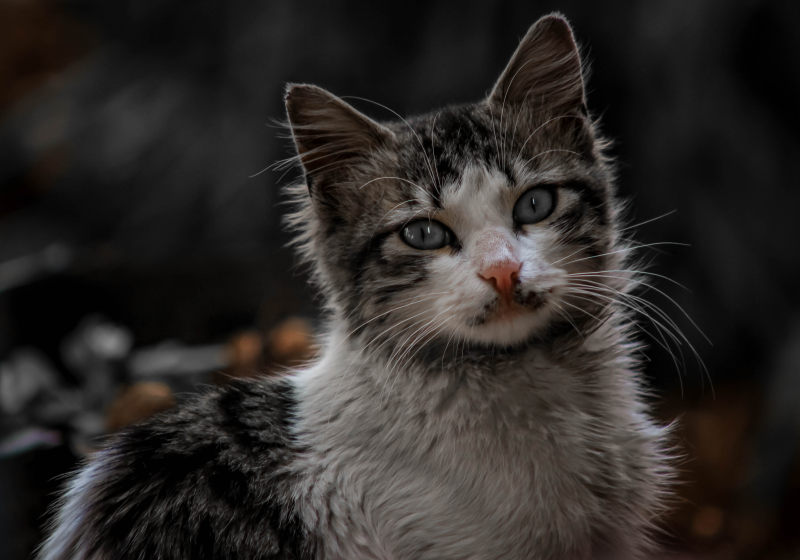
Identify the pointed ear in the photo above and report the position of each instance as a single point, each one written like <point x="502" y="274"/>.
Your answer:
<point x="328" y="133"/>
<point x="545" y="71"/>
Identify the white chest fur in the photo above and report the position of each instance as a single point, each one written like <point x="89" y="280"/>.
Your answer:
<point x="532" y="462"/>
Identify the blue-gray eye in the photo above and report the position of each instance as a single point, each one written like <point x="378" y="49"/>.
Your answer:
<point x="534" y="205"/>
<point x="426" y="234"/>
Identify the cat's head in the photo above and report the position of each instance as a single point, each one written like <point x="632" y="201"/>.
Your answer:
<point x="466" y="225"/>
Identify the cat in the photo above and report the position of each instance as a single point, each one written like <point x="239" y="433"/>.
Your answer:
<point x="477" y="394"/>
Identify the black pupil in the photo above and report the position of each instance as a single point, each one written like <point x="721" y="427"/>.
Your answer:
<point x="534" y="206"/>
<point x="426" y="235"/>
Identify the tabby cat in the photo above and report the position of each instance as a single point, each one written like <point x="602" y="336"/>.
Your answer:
<point x="476" y="395"/>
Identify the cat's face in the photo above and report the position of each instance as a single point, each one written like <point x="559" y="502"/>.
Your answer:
<point x="468" y="225"/>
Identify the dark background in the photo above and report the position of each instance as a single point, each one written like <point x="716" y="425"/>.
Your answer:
<point x="133" y="136"/>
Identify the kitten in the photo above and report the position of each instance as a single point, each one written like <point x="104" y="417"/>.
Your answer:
<point x="477" y="395"/>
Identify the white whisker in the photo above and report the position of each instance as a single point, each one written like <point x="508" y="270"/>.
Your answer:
<point x="664" y="215"/>
<point x="623" y="250"/>
<point x="390" y="177"/>
<point x="416" y="300"/>
<point x="550" y="151"/>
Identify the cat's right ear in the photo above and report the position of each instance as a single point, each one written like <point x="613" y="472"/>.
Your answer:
<point x="545" y="72"/>
<point x="329" y="134"/>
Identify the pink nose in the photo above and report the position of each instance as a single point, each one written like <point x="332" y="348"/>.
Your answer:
<point x="503" y="276"/>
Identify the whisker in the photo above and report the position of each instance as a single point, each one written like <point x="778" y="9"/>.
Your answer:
<point x="446" y="346"/>
<point x="648" y="221"/>
<point x="622" y="250"/>
<point x="428" y="333"/>
<point x="390" y="177"/>
<point x="550" y="151"/>
<point x="592" y="315"/>
<point x="658" y="339"/>
<point x="398" y="357"/>
<point x="416" y="300"/>
<point x="391" y="328"/>
<point x="668" y="326"/>
<point x="675" y="303"/>
<point x="421" y="341"/>
<point x="432" y="321"/>
<point x="634" y="274"/>
<point x="641" y="310"/>
<point x="677" y="331"/>
<point x="562" y="313"/>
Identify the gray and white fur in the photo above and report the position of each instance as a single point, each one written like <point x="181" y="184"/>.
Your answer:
<point x="475" y="399"/>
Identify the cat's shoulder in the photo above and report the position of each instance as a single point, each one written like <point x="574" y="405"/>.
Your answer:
<point x="245" y="423"/>
<point x="209" y="479"/>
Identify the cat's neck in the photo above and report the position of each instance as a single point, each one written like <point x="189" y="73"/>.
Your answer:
<point x="372" y="390"/>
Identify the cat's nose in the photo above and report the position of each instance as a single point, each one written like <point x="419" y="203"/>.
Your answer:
<point x="503" y="276"/>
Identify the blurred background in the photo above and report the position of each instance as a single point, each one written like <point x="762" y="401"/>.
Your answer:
<point x="142" y="255"/>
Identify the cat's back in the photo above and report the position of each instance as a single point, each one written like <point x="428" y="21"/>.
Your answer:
<point x="207" y="480"/>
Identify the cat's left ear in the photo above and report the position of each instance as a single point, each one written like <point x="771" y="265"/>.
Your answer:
<point x="544" y="73"/>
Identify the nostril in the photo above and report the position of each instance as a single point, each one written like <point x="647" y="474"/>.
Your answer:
<point x="491" y="279"/>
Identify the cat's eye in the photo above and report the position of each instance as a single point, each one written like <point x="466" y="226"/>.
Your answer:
<point x="426" y="234"/>
<point x="534" y="205"/>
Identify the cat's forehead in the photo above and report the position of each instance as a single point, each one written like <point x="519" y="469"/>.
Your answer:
<point x="477" y="195"/>
<point x="471" y="145"/>
<point x="438" y="146"/>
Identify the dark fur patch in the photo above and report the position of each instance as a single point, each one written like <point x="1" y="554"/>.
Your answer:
<point x="201" y="482"/>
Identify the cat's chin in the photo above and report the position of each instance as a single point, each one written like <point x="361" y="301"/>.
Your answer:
<point x="509" y="326"/>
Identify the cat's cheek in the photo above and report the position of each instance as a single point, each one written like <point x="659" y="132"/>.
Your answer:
<point x="538" y="244"/>
<point x="464" y="294"/>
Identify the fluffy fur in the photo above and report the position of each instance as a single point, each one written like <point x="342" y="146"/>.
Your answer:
<point x="444" y="419"/>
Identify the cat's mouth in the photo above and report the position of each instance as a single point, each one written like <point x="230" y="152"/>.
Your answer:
<point x="503" y="309"/>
